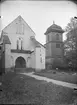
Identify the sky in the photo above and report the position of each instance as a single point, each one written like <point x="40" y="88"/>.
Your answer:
<point x="39" y="15"/>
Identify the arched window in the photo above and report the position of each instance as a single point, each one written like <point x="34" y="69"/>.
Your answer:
<point x="41" y="59"/>
<point x="57" y="36"/>
<point x="20" y="28"/>
<point x="21" y="44"/>
<point x="0" y="47"/>
<point x="17" y="44"/>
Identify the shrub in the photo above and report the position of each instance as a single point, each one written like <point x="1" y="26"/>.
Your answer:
<point x="60" y="65"/>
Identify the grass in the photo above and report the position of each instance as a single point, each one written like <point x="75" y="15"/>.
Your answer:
<point x="57" y="75"/>
<point x="21" y="89"/>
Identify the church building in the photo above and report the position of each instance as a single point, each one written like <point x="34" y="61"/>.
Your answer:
<point x="54" y="45"/>
<point x="19" y="48"/>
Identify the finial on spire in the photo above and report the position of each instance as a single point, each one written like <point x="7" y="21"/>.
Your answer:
<point x="53" y="22"/>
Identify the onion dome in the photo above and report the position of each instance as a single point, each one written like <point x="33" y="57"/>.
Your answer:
<point x="54" y="28"/>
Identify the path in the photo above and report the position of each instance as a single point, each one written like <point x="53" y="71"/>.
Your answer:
<point x="0" y="83"/>
<point x="65" y="84"/>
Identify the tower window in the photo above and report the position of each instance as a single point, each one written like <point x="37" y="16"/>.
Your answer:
<point x="47" y="46"/>
<point x="0" y="47"/>
<point x="48" y="37"/>
<point x="57" y="45"/>
<point x="57" y="36"/>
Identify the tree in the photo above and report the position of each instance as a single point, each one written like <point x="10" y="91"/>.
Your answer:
<point x="71" y="25"/>
<point x="70" y="44"/>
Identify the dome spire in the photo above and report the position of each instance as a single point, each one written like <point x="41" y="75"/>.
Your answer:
<point x="53" y="22"/>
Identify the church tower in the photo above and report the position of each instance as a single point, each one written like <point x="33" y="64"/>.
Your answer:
<point x="54" y="44"/>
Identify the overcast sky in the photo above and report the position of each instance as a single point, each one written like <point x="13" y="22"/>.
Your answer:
<point x="39" y="15"/>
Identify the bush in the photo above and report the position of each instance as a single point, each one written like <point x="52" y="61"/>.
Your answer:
<point x="60" y="65"/>
<point x="48" y="66"/>
<point x="56" y="64"/>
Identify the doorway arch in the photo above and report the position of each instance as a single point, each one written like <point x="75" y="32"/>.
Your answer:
<point x="20" y="63"/>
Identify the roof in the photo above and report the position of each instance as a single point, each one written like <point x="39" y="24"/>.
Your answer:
<point x="6" y="39"/>
<point x="37" y="44"/>
<point x="54" y="28"/>
<point x="21" y="51"/>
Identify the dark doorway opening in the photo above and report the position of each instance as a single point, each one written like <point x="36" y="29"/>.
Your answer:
<point x="20" y="63"/>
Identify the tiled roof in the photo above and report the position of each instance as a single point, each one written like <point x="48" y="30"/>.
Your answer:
<point x="21" y="51"/>
<point x="6" y="39"/>
<point x="54" y="28"/>
<point x="37" y="44"/>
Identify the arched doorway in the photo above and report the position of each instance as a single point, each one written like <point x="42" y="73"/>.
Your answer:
<point x="20" y="63"/>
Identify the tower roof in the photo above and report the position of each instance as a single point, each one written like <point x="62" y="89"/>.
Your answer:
<point x="54" y="28"/>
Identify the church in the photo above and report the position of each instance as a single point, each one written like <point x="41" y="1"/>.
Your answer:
<point x="19" y="47"/>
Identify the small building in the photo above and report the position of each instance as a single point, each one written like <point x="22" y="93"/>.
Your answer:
<point x="20" y="48"/>
<point x="54" y="44"/>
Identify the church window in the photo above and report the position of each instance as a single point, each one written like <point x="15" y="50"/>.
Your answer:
<point x="57" y="36"/>
<point x="0" y="47"/>
<point x="57" y="45"/>
<point x="17" y="44"/>
<point x="21" y="44"/>
<point x="20" y="28"/>
<point x="41" y="59"/>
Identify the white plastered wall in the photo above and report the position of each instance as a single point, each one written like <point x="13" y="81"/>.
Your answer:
<point x="40" y="58"/>
<point x="42" y="53"/>
<point x="11" y="31"/>
<point x="33" y="60"/>
<point x="37" y="58"/>
<point x="7" y="56"/>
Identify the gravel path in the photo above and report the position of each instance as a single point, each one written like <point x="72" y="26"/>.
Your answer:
<point x="57" y="82"/>
<point x="0" y="83"/>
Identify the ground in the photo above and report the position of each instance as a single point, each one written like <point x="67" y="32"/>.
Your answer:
<point x="58" y="75"/>
<point x="21" y="89"/>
